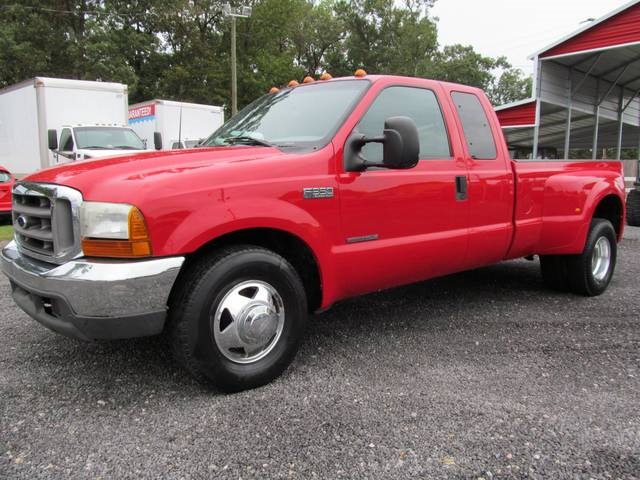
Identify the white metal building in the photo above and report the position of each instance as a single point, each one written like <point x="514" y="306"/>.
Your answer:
<point x="586" y="93"/>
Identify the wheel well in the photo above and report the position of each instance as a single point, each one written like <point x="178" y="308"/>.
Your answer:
<point x="610" y="208"/>
<point x="285" y="244"/>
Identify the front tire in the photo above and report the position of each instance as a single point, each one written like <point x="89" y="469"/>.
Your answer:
<point x="237" y="318"/>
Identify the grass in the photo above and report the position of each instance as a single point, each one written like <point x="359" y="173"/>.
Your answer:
<point x="6" y="232"/>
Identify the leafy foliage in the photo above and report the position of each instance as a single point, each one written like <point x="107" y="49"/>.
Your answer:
<point x="180" y="49"/>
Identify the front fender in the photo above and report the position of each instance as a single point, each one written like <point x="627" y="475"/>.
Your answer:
<point x="206" y="224"/>
<point x="216" y="219"/>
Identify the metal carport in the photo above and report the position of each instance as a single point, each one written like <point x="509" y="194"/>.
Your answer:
<point x="586" y="94"/>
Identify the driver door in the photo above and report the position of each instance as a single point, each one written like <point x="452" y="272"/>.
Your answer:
<point x="402" y="226"/>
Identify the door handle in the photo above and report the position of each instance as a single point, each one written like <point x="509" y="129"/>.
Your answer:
<point x="461" y="188"/>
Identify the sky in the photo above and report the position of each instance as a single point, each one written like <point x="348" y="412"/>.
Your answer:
<point x="514" y="28"/>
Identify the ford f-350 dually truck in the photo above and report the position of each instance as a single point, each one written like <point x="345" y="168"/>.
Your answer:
<point x="311" y="194"/>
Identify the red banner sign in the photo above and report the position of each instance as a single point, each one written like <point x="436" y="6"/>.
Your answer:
<point x="136" y="113"/>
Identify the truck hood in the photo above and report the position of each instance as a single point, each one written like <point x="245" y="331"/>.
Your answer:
<point x="131" y="175"/>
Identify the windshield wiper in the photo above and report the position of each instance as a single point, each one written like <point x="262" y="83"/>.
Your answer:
<point x="248" y="140"/>
<point x="96" y="147"/>
<point x="127" y="147"/>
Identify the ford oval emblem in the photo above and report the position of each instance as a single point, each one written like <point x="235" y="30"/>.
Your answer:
<point x="21" y="221"/>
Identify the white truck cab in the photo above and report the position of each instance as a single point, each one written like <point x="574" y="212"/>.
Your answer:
<point x="83" y="142"/>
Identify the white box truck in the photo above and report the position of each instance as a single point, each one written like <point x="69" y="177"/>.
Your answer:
<point x="180" y="124"/>
<point x="31" y="108"/>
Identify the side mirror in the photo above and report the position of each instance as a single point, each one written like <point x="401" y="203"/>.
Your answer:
<point x="52" y="136"/>
<point x="157" y="140"/>
<point x="401" y="146"/>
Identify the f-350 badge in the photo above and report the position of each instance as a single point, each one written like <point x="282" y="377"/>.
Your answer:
<point x="317" y="192"/>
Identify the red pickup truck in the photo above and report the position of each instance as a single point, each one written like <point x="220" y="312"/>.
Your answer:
<point x="311" y="194"/>
<point x="6" y="184"/>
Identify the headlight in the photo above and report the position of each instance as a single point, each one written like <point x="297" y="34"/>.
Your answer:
<point x="113" y="230"/>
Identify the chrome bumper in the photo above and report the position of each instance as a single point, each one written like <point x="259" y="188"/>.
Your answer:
<point x="93" y="299"/>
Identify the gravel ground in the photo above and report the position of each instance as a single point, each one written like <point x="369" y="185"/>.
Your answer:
<point x="479" y="375"/>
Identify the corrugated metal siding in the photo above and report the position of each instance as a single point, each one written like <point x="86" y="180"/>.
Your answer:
<point x="520" y="115"/>
<point x="617" y="30"/>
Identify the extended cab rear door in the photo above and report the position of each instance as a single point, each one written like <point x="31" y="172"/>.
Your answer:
<point x="400" y="226"/>
<point x="490" y="183"/>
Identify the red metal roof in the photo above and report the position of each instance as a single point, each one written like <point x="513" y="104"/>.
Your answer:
<point x="517" y="115"/>
<point x="619" y="29"/>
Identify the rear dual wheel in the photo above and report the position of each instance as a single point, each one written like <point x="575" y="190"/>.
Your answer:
<point x="237" y="318"/>
<point x="633" y="207"/>
<point x="590" y="272"/>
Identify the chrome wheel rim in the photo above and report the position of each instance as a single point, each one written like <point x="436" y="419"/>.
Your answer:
<point x="601" y="258"/>
<point x="248" y="322"/>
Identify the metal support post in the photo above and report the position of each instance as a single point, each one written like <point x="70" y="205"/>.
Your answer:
<point x="233" y="12"/>
<point x="621" y="123"/>
<point x="536" y="128"/>
<point x="234" y="76"/>
<point x="597" y="124"/>
<point x="567" y="132"/>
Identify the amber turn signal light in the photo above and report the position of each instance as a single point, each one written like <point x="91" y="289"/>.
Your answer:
<point x="115" y="248"/>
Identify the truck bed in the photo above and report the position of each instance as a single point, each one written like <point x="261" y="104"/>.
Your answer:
<point x="553" y="199"/>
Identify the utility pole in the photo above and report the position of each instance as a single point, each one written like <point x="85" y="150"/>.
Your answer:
<point x="234" y="12"/>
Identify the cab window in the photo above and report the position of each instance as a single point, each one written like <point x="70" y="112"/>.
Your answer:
<point x="66" y="141"/>
<point x="475" y="125"/>
<point x="419" y="104"/>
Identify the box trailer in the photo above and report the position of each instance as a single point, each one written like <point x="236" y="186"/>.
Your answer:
<point x="181" y="124"/>
<point x="29" y="109"/>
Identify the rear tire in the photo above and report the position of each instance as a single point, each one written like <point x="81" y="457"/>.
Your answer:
<point x="237" y="318"/>
<point x="554" y="272"/>
<point x="588" y="273"/>
<point x="633" y="208"/>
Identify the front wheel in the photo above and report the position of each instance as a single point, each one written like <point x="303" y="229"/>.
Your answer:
<point x="237" y="318"/>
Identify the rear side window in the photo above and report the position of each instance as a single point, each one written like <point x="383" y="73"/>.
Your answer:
<point x="475" y="125"/>
<point x="4" y="177"/>
<point x="420" y="105"/>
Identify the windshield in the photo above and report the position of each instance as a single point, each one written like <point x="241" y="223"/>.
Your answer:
<point x="107" y="138"/>
<point x="305" y="116"/>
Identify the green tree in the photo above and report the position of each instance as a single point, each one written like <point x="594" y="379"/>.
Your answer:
<point x="180" y="49"/>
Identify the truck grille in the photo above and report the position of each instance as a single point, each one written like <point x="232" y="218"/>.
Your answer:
<point x="46" y="221"/>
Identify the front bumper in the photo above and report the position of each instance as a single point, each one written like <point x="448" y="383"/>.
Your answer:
<point x="93" y="299"/>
